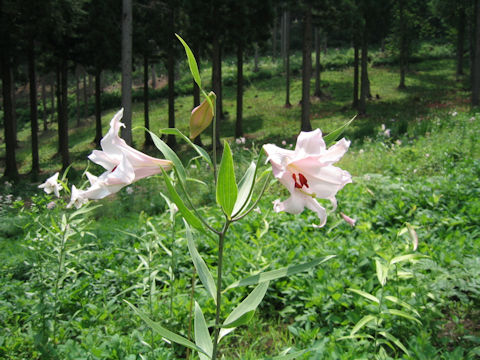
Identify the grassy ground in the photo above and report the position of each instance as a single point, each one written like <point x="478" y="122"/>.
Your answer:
<point x="420" y="177"/>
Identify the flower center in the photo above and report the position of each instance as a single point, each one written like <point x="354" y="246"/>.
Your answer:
<point x="301" y="182"/>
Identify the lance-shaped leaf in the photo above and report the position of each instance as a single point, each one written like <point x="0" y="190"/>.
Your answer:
<point x="244" y="312"/>
<point x="279" y="273"/>
<point x="402" y="314"/>
<point x="335" y="134"/>
<point x="203" y="273"/>
<point x="198" y="149"/>
<point x="202" y="116"/>
<point x="395" y="341"/>
<point x="407" y="257"/>
<point x="170" y="155"/>
<point x="244" y="189"/>
<point x="363" y="321"/>
<point x="226" y="184"/>
<point x="202" y="335"/>
<point x="382" y="272"/>
<point x="365" y="295"/>
<point x="192" y="63"/>
<point x="167" y="334"/>
<point x="188" y="215"/>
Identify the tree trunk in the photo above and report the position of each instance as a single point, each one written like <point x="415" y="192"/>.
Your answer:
<point x="403" y="45"/>
<point x="98" y="107"/>
<point x="274" y="37"/>
<point x="283" y="35"/>
<point x="148" y="139"/>
<point x="127" y="70"/>
<point x="85" y="94"/>
<point x="355" y="71"/>
<point x="318" y="89"/>
<point x="62" y="101"/>
<point x="44" y="104"/>
<point x="287" y="57"/>
<point x="13" y="92"/>
<point x="238" y="124"/>
<point x="77" y="94"/>
<point x="154" y="77"/>
<point x="362" y="103"/>
<point x="216" y="84"/>
<point x="476" y="68"/>
<point x="33" y="109"/>
<point x="460" y="40"/>
<point x="11" y="171"/>
<point x="52" y="97"/>
<point x="255" y="59"/>
<point x="306" y="68"/>
<point x="171" y="140"/>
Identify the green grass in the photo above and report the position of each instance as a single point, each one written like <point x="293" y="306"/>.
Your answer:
<point x="425" y="174"/>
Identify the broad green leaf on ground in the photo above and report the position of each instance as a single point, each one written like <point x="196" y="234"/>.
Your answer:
<point x="276" y="274"/>
<point x="203" y="273"/>
<point x="226" y="184"/>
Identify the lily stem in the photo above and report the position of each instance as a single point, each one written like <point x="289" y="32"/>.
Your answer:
<point x="221" y="239"/>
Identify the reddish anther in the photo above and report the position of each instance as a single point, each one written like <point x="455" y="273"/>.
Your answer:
<point x="303" y="181"/>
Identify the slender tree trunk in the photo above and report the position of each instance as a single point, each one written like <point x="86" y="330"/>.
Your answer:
<point x="476" y="68"/>
<point x="85" y="93"/>
<point x="53" y="91"/>
<point x="403" y="45"/>
<point x="362" y="103"/>
<point x="77" y="94"/>
<point x="44" y="104"/>
<point x="318" y="89"/>
<point x="33" y="109"/>
<point x="216" y="84"/>
<point x="146" y="98"/>
<point x="91" y="86"/>
<point x="154" y="77"/>
<point x="283" y="35"/>
<point x="98" y="107"/>
<point x="127" y="70"/>
<point x="238" y="124"/>
<point x="11" y="171"/>
<point x="62" y="101"/>
<point x="287" y="57"/>
<point x="274" y="36"/>
<point x="355" y="71"/>
<point x="306" y="68"/>
<point x="171" y="140"/>
<point x="13" y="92"/>
<point x="460" y="40"/>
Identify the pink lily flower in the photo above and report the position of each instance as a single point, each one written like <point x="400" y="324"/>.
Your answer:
<point x="307" y="172"/>
<point x="114" y="149"/>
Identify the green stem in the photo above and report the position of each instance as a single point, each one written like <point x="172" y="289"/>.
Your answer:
<point x="190" y="311"/>
<point x="378" y="319"/>
<point x="172" y="266"/>
<point x="57" y="280"/>
<point x="221" y="238"/>
<point x="214" y="143"/>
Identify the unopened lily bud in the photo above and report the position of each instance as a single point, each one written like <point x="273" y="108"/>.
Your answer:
<point x="202" y="116"/>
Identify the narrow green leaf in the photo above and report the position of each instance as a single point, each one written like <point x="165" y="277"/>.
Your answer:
<point x="169" y="155"/>
<point x="363" y="321"/>
<point x="167" y="334"/>
<point x="382" y="272"/>
<point x="395" y="341"/>
<point x="403" y="314"/>
<point x="186" y="213"/>
<point x="192" y="63"/>
<point x="407" y="257"/>
<point x="242" y="320"/>
<point x="365" y="295"/>
<point x="203" y="273"/>
<point x="244" y="189"/>
<point x="276" y="274"/>
<point x="226" y="184"/>
<point x="402" y="304"/>
<point x="250" y="303"/>
<point x="356" y="336"/>
<point x="198" y="149"/>
<point x="335" y="134"/>
<point x="202" y="335"/>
